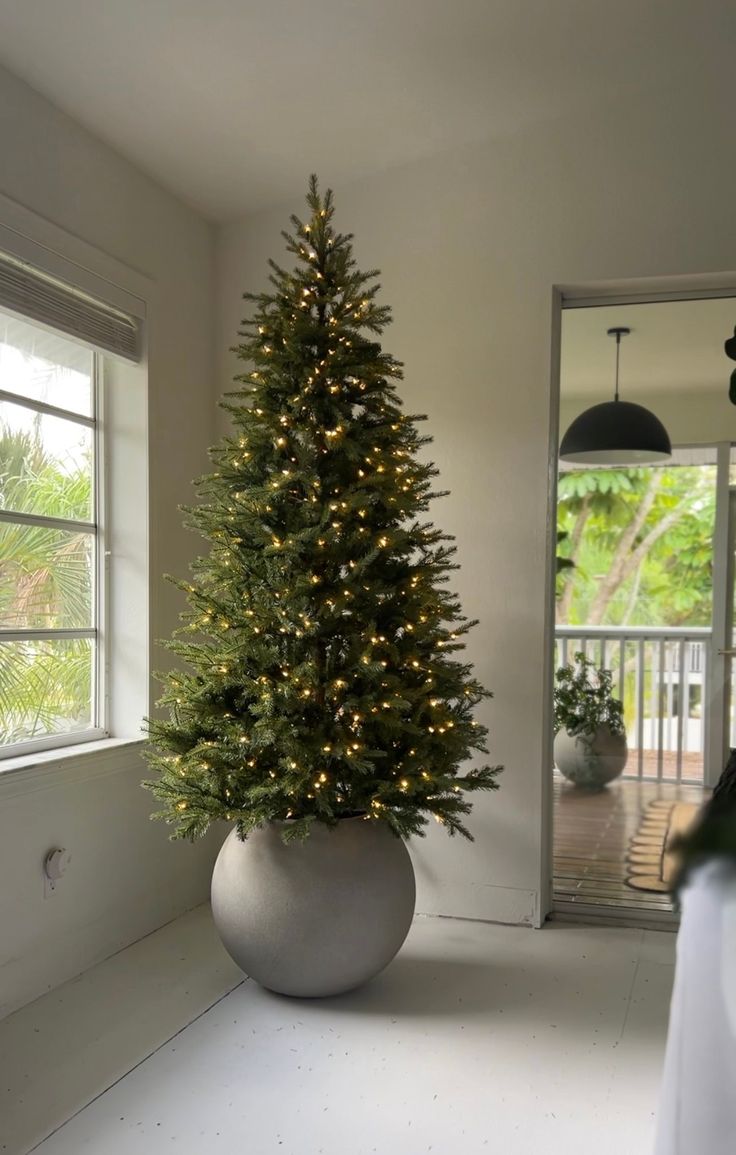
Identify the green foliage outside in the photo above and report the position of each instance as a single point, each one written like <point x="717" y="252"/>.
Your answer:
<point x="45" y="576"/>
<point x="322" y="676"/>
<point x="641" y="544"/>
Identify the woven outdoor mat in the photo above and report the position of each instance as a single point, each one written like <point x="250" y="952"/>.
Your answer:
<point x="651" y="865"/>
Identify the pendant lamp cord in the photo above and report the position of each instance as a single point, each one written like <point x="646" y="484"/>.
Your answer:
<point x="618" y="351"/>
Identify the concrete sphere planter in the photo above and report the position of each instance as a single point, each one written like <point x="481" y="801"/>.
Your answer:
<point x="590" y="760"/>
<point x="318" y="917"/>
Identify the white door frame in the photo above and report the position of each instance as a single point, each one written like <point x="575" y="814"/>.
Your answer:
<point x="565" y="296"/>
<point x="717" y="690"/>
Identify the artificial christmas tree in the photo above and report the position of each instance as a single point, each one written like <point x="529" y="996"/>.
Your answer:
<point x="321" y="642"/>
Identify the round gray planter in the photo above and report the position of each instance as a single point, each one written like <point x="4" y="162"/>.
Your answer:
<point x="591" y="760"/>
<point x="317" y="917"/>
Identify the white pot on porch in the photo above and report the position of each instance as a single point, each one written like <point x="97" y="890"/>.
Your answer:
<point x="590" y="760"/>
<point x="318" y="917"/>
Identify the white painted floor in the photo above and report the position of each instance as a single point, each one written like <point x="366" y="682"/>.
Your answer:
<point x="477" y="1039"/>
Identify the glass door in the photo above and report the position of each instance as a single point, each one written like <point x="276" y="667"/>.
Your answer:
<point x="721" y="738"/>
<point x="645" y="591"/>
<point x="637" y="596"/>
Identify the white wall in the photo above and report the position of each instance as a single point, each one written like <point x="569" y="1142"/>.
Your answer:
<point x="126" y="878"/>
<point x="470" y="245"/>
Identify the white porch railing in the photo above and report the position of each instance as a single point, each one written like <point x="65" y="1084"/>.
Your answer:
<point x="661" y="676"/>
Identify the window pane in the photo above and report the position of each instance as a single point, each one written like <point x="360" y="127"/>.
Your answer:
<point x="640" y="540"/>
<point x="45" y="578"/>
<point x="46" y="464"/>
<point x="45" y="688"/>
<point x="44" y="366"/>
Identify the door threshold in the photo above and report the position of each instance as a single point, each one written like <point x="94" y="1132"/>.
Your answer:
<point x="636" y="918"/>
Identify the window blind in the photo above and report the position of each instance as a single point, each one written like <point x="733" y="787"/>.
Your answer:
<point x="43" y="298"/>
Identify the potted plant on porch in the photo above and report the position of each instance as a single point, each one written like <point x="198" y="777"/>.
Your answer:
<point x="590" y="737"/>
<point x="321" y="708"/>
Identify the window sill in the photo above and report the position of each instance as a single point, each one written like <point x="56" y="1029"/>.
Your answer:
<point x="46" y="769"/>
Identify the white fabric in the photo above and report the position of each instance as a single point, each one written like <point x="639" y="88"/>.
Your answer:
<point x="697" y="1112"/>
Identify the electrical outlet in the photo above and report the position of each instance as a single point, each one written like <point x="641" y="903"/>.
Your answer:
<point x="55" y="865"/>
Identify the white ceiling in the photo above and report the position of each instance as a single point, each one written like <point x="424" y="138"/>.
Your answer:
<point x="231" y="103"/>
<point x="673" y="347"/>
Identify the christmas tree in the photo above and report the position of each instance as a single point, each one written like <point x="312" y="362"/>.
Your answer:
<point x="319" y="646"/>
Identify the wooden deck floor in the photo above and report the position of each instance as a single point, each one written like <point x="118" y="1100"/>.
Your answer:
<point x="591" y="838"/>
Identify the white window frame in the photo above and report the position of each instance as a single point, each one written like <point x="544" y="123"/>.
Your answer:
<point x="126" y="688"/>
<point x="98" y="631"/>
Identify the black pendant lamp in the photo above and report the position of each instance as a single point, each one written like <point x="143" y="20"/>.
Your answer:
<point x="616" y="432"/>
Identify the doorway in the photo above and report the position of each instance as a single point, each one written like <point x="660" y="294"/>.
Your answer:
<point x="644" y="589"/>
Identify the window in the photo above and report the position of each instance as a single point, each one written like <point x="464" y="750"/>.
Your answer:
<point x="52" y="594"/>
<point x="64" y="342"/>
